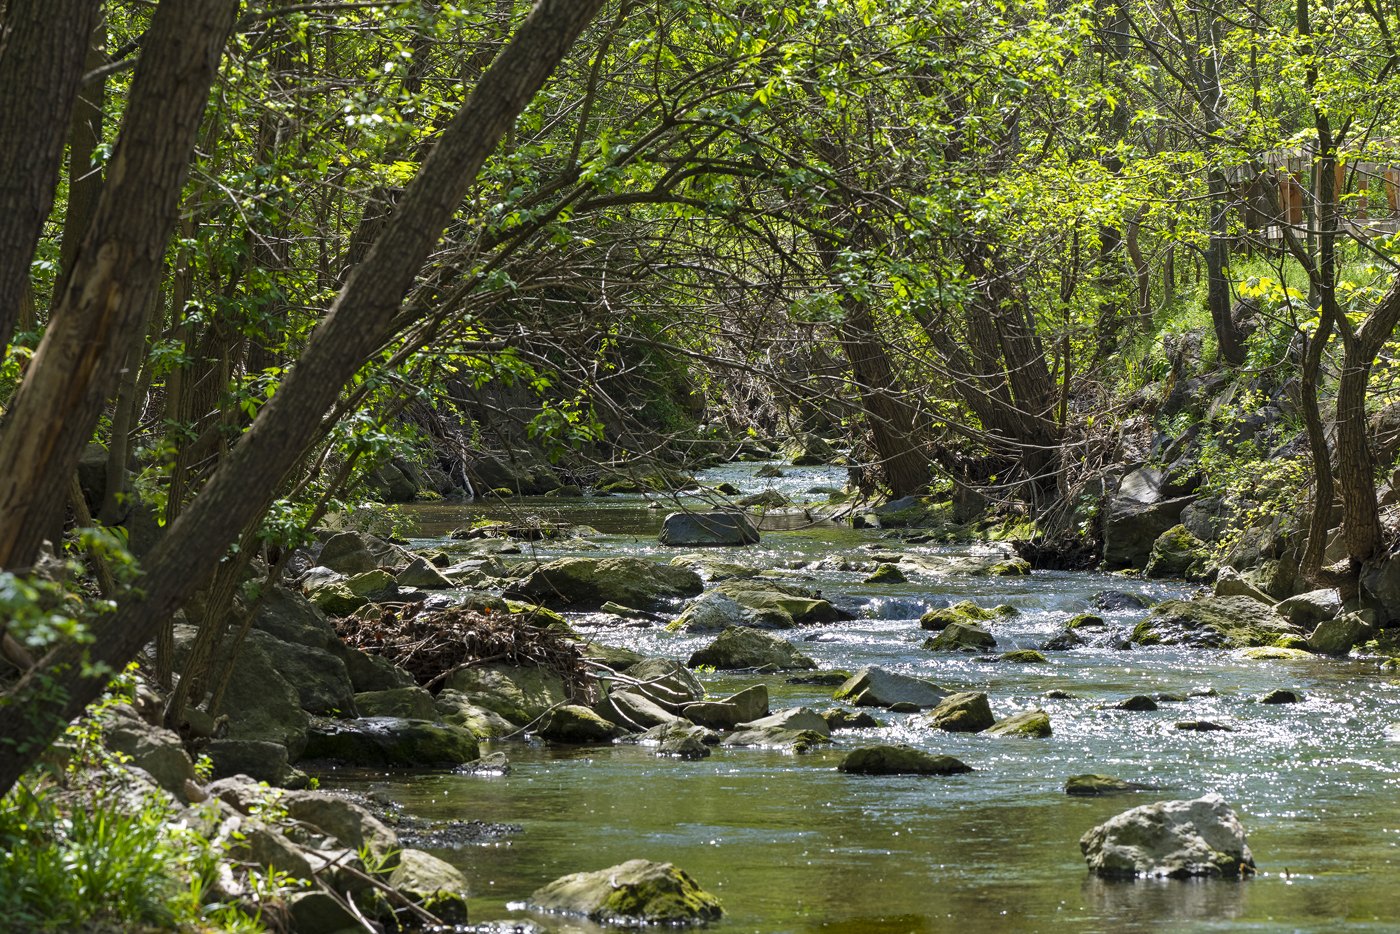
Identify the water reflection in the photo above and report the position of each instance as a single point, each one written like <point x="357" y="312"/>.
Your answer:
<point x="1127" y="905"/>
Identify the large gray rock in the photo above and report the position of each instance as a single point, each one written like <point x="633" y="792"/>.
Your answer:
<point x="264" y="761"/>
<point x="779" y="606"/>
<point x="153" y="748"/>
<point x="632" y="711"/>
<point x="741" y="647"/>
<point x="346" y="553"/>
<point x="712" y="611"/>
<point x="1179" y="839"/>
<point x="873" y="686"/>
<point x="520" y="694"/>
<point x="796" y="719"/>
<point x="1380" y="580"/>
<point x="1210" y="517"/>
<point x="1178" y="553"/>
<point x="748" y="704"/>
<point x="457" y="709"/>
<point x="392" y="742"/>
<point x="1034" y="724"/>
<point x="634" y="582"/>
<point x="422" y="575"/>
<point x="320" y="678"/>
<point x="1306" y="610"/>
<point x="1229" y="583"/>
<point x="351" y="824"/>
<point x="1338" y="636"/>
<point x="666" y="681"/>
<point x="1214" y="622"/>
<point x="287" y="615"/>
<point x="1134" y="521"/>
<point x="435" y="885"/>
<point x="259" y="701"/>
<point x="637" y="891"/>
<point x="708" y="528"/>
<point x="374" y="672"/>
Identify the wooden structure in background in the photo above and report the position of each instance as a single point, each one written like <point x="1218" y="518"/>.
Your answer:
<point x="1292" y="170"/>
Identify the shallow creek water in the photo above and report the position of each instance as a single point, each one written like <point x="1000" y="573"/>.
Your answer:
<point x="791" y="845"/>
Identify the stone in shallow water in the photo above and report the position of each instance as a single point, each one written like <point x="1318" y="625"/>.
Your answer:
<point x="1137" y="702"/>
<point x="635" y="891"/>
<point x="838" y="718"/>
<point x="741" y="647"/>
<point x="1204" y="726"/>
<point x="1023" y="656"/>
<point x="873" y="686"/>
<point x="899" y="760"/>
<point x="1178" y="839"/>
<point x="1282" y="696"/>
<point x="1033" y="723"/>
<point x="957" y="636"/>
<point x="966" y="712"/>
<point x="1095" y="784"/>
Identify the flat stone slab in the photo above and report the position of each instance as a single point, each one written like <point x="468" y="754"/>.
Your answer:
<point x="873" y="686"/>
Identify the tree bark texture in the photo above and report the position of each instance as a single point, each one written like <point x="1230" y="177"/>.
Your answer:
<point x="42" y="47"/>
<point x="84" y="177"/>
<point x="77" y="364"/>
<point x="354" y="328"/>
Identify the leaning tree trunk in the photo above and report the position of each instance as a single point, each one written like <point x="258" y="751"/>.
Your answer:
<point x="357" y="324"/>
<point x="77" y="364"/>
<point x="42" y="47"/>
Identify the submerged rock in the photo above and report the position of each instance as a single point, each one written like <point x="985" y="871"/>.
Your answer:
<point x="965" y="712"/>
<point x="838" y="718"/>
<point x="777" y="736"/>
<point x="1138" y="702"/>
<point x="713" y="611"/>
<point x="1282" y="696"/>
<point x="873" y="686"/>
<point x="637" y="891"/>
<point x="708" y="528"/>
<point x="899" y="760"/>
<point x="1033" y="723"/>
<point x="1095" y="784"/>
<point x="886" y="574"/>
<point x="1178" y="839"/>
<point x="1204" y="726"/>
<point x="741" y="647"/>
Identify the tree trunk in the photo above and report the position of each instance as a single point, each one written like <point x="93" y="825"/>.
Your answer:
<point x="75" y="368"/>
<point x="355" y="327"/>
<point x="42" y="48"/>
<point x="84" y="177"/>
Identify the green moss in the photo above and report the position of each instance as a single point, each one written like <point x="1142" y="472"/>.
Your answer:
<point x="1017" y="568"/>
<point x="1024" y="656"/>
<point x="1085" y="619"/>
<point x="1145" y="634"/>
<point x="1291" y="642"/>
<point x="1034" y="724"/>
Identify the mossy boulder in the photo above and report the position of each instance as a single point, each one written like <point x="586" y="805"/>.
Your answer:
<point x="432" y="883"/>
<point x="1178" y="553"/>
<point x="337" y="600"/>
<point x="1024" y="657"/>
<point x="520" y="694"/>
<point x="457" y="709"/>
<point x="965" y="712"/>
<point x="713" y="611"/>
<point x="887" y="574"/>
<point x="591" y="582"/>
<point x="1085" y="621"/>
<point x="708" y="528"/>
<point x="958" y="636"/>
<point x="574" y="724"/>
<point x="1214" y="622"/>
<point x="410" y="703"/>
<point x="899" y="760"/>
<point x="773" y="603"/>
<point x="635" y="892"/>
<point x="1273" y="653"/>
<point x="392" y="742"/>
<point x="369" y="582"/>
<point x="1032" y="723"/>
<point x="740" y="647"/>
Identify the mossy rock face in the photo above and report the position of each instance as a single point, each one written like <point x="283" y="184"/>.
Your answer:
<point x="637" y="891"/>
<point x="887" y="574"/>
<point x="462" y="710"/>
<point x="337" y="600"/>
<point x="1018" y="567"/>
<point x="898" y="760"/>
<point x="1274" y="653"/>
<point x="1214" y="623"/>
<point x="741" y="647"/>
<point x="958" y="636"/>
<point x="517" y="693"/>
<point x="1085" y="621"/>
<point x="772" y="602"/>
<point x="1031" y="723"/>
<point x="410" y="703"/>
<point x="966" y="712"/>
<point x="1024" y="657"/>
<point x="1178" y="553"/>
<point x="574" y="724"/>
<point x="370" y="582"/>
<point x="629" y="581"/>
<point x="436" y="885"/>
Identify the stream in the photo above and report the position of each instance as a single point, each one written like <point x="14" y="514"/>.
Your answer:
<point x="790" y="845"/>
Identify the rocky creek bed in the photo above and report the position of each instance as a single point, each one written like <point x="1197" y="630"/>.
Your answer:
<point x="787" y="841"/>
